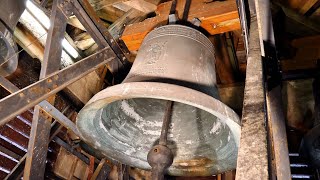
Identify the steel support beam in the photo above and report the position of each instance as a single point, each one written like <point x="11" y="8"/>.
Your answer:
<point x="30" y="96"/>
<point x="279" y="155"/>
<point x="46" y="106"/>
<point x="41" y="123"/>
<point x="277" y="129"/>
<point x="92" y="23"/>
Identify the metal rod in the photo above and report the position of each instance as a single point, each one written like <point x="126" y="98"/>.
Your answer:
<point x="165" y="124"/>
<point x="186" y="10"/>
<point x="173" y="7"/>
<point x="29" y="96"/>
<point x="160" y="157"/>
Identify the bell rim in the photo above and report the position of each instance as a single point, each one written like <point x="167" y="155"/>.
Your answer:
<point x="163" y="91"/>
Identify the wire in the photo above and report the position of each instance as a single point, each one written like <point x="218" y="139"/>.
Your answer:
<point x="15" y="54"/>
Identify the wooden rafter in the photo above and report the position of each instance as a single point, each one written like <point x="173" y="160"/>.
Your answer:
<point x="216" y="17"/>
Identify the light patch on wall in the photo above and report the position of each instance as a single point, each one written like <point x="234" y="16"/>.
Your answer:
<point x="38" y="14"/>
<point x="67" y="46"/>
<point x="38" y="23"/>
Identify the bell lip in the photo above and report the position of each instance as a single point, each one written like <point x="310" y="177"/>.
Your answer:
<point x="162" y="91"/>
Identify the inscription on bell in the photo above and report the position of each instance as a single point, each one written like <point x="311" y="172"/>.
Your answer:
<point x="154" y="52"/>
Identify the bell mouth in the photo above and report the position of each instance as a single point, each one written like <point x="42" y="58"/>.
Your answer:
<point x="124" y="122"/>
<point x="8" y="58"/>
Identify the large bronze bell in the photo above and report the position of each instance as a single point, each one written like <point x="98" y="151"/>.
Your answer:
<point x="124" y="121"/>
<point x="10" y="12"/>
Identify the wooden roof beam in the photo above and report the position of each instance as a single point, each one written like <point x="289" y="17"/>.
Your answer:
<point x="216" y="17"/>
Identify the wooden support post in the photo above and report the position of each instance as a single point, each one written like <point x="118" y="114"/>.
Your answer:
<point x="41" y="123"/>
<point x="91" y="167"/>
<point x="98" y="169"/>
<point x="252" y="160"/>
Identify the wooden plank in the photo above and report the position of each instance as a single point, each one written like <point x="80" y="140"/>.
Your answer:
<point x="306" y="6"/>
<point x="277" y="131"/>
<point x="139" y="5"/>
<point x="309" y="23"/>
<point x="19" y="126"/>
<point x="298" y="6"/>
<point x="100" y="4"/>
<point x="10" y="154"/>
<point x="6" y="163"/>
<point x="12" y="147"/>
<point x="311" y="41"/>
<point x="28" y="42"/>
<point x="316" y="15"/>
<point x="129" y="17"/>
<point x="307" y="54"/>
<point x="98" y="169"/>
<point x="73" y="20"/>
<point x="111" y="10"/>
<point x="110" y="13"/>
<point x="216" y="17"/>
<point x="134" y="34"/>
<point x="11" y="136"/>
<point x="252" y="162"/>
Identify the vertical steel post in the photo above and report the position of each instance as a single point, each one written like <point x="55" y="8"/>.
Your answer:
<point x="276" y="122"/>
<point x="41" y="123"/>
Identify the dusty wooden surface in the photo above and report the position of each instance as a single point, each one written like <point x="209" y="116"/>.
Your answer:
<point x="253" y="156"/>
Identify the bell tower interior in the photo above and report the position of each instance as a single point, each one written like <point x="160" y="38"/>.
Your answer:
<point x="159" y="89"/>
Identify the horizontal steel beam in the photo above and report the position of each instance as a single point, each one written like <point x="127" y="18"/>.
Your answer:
<point x="46" y="106"/>
<point x="30" y="96"/>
